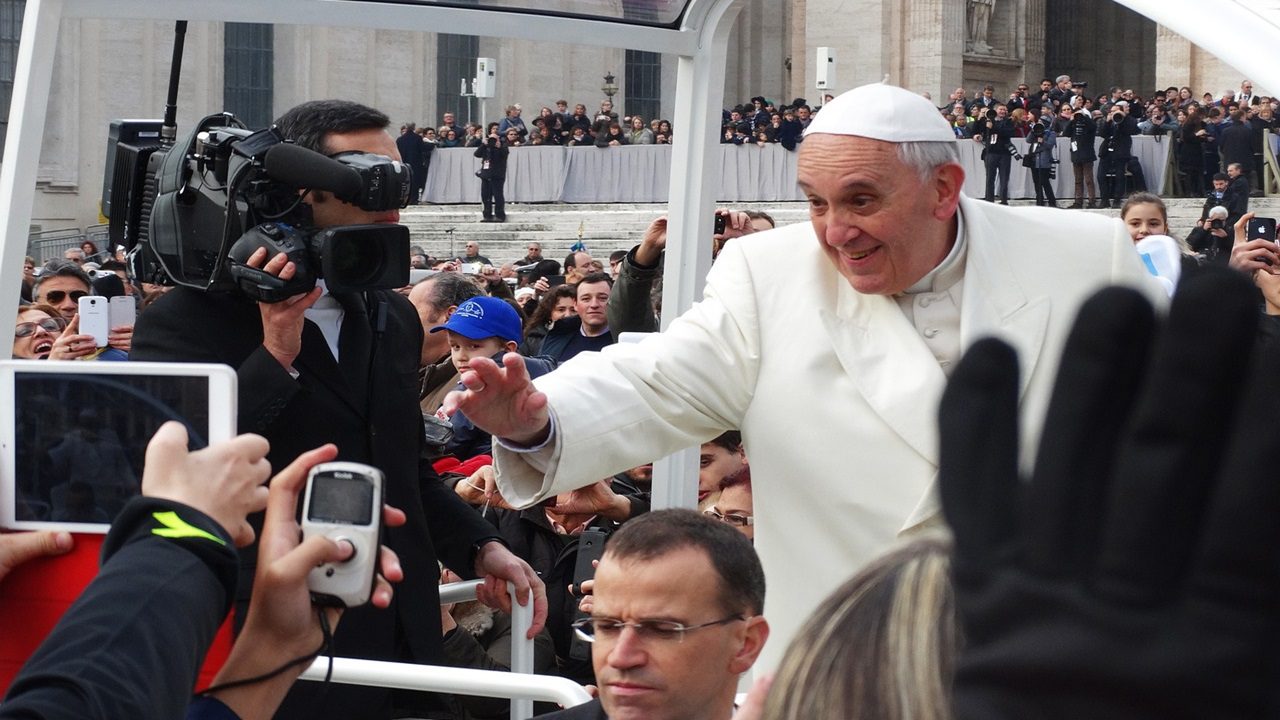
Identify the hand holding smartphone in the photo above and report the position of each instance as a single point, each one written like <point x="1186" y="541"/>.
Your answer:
<point x="1261" y="228"/>
<point x="95" y="318"/>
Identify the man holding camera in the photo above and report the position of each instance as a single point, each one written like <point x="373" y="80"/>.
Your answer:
<point x="994" y="131"/>
<point x="1117" y="148"/>
<point x="343" y="368"/>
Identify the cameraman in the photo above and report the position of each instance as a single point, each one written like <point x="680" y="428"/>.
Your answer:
<point x="994" y="131"/>
<point x="1039" y="160"/>
<point x="1083" y="132"/>
<point x="342" y="368"/>
<point x="493" y="177"/>
<point x="1117" y="148"/>
<point x="1210" y="237"/>
<point x="1157" y="122"/>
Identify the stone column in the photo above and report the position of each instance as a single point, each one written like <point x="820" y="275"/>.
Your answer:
<point x="933" y="47"/>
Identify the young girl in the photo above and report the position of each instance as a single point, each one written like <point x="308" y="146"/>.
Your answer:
<point x="1144" y="214"/>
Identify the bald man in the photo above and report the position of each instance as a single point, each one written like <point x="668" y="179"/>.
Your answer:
<point x="834" y="375"/>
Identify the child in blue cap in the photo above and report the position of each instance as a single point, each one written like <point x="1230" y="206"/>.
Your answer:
<point x="481" y="327"/>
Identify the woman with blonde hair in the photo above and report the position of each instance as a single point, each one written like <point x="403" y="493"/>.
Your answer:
<point x="882" y="647"/>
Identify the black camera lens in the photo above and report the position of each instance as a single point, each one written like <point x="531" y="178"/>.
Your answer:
<point x="355" y="260"/>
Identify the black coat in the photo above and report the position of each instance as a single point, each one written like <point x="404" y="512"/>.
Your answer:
<point x="1235" y="142"/>
<point x="410" y="145"/>
<point x="368" y="407"/>
<point x="1117" y="138"/>
<point x="1082" y="131"/>
<point x="495" y="153"/>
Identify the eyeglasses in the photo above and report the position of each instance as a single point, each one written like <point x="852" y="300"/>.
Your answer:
<point x="663" y="631"/>
<point x="733" y="519"/>
<point x="54" y="297"/>
<point x="27" y="329"/>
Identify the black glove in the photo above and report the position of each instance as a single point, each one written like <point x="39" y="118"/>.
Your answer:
<point x="1137" y="574"/>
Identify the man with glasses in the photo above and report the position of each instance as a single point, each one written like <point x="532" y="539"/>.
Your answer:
<point x="61" y="284"/>
<point x="675" y="619"/>
<point x="735" y="505"/>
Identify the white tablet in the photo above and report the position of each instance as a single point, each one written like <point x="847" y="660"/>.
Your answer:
<point x="73" y="434"/>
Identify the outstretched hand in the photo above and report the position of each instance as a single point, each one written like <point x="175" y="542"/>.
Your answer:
<point x="502" y="401"/>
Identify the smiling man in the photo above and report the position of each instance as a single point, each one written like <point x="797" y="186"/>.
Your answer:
<point x="667" y="650"/>
<point x="827" y="344"/>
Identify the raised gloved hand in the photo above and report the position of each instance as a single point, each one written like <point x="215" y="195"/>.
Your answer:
<point x="1137" y="573"/>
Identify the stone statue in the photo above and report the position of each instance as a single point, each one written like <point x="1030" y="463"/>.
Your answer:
<point x="979" y="17"/>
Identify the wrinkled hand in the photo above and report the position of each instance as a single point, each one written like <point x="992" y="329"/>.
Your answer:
<point x="223" y="481"/>
<point x="17" y="548"/>
<point x="498" y="566"/>
<point x="595" y="499"/>
<point x="282" y="322"/>
<point x="541" y="286"/>
<point x="282" y="623"/>
<point x="482" y="489"/>
<point x="70" y="344"/>
<point x="502" y="401"/>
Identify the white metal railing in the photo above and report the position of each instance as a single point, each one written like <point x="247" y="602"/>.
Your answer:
<point x="520" y="685"/>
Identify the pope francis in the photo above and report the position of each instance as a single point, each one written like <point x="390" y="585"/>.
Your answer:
<point x="827" y="344"/>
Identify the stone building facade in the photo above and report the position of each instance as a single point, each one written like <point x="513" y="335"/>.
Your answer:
<point x="108" y="69"/>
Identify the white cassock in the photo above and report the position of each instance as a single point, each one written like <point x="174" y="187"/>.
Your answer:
<point x="835" y="392"/>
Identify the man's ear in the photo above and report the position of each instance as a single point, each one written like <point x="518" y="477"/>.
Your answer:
<point x="754" y="636"/>
<point x="947" y="182"/>
<point x="449" y="313"/>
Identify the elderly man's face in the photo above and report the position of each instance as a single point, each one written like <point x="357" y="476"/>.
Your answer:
<point x="651" y="678"/>
<point x="881" y="226"/>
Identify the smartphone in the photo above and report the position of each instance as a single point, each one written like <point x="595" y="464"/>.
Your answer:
<point x="554" y="280"/>
<point x="590" y="548"/>
<point x="1262" y="228"/>
<point x="720" y="224"/>
<point x="122" y="311"/>
<point x="343" y="502"/>
<point x="95" y="318"/>
<point x="471" y="268"/>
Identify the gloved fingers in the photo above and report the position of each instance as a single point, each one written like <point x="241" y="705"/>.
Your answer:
<point x="1093" y="396"/>
<point x="1238" y="560"/>
<point x="1179" y="431"/>
<point x="978" y="454"/>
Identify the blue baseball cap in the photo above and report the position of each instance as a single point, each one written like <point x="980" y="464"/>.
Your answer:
<point x="484" y="317"/>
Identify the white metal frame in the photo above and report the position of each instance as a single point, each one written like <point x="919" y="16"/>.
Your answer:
<point x="700" y="43"/>
<point x="520" y="684"/>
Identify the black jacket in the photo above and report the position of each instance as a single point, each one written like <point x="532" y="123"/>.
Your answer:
<point x="1235" y="142"/>
<point x="1117" y="139"/>
<point x="559" y="336"/>
<point x="1082" y="132"/>
<point x="368" y="407"/>
<point x="495" y="154"/>
<point x="587" y="711"/>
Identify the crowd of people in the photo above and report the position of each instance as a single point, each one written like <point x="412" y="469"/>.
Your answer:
<point x="517" y="434"/>
<point x="1208" y="133"/>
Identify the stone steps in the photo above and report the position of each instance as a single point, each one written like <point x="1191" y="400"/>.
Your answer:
<point x="443" y="230"/>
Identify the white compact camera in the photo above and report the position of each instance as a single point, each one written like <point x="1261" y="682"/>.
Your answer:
<point x="344" y="502"/>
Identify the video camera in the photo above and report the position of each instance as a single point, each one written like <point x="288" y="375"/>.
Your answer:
<point x="191" y="213"/>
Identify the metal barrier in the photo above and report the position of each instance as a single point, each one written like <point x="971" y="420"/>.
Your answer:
<point x="49" y="244"/>
<point x="520" y="684"/>
<point x="1270" y="167"/>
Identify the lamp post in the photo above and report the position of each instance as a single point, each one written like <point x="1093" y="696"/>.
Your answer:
<point x="610" y="88"/>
